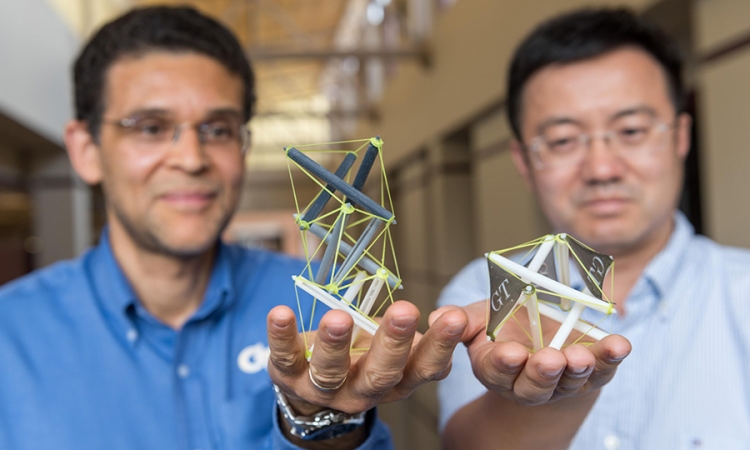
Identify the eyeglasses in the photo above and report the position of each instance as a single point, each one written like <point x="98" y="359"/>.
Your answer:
<point x="158" y="132"/>
<point x="566" y="146"/>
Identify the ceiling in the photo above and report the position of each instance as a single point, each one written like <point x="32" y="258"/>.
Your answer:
<point x="272" y="25"/>
<point x="320" y="64"/>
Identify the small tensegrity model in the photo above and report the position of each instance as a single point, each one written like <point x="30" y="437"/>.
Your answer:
<point x="541" y="281"/>
<point x="353" y="230"/>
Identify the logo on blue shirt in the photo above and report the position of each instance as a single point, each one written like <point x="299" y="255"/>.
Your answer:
<point x="253" y="358"/>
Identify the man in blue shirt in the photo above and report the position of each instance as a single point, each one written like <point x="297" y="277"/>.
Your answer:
<point x="595" y="103"/>
<point x="156" y="338"/>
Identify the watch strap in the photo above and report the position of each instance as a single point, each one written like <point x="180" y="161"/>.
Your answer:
<point x="325" y="424"/>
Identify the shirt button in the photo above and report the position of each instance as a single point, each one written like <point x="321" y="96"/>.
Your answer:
<point x="131" y="335"/>
<point x="183" y="371"/>
<point x="611" y="442"/>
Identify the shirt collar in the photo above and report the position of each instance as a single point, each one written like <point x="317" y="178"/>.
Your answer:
<point x="663" y="269"/>
<point x="116" y="295"/>
<point x="111" y="284"/>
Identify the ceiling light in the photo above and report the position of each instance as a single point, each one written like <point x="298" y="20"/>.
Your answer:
<point x="375" y="14"/>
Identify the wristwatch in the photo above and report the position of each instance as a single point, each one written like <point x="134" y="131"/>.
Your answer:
<point x="325" y="424"/>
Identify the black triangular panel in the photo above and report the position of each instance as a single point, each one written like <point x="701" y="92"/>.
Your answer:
<point x="505" y="290"/>
<point x="596" y="266"/>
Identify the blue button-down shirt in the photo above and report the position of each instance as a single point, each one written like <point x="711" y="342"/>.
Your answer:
<point x="686" y="384"/>
<point x="84" y="366"/>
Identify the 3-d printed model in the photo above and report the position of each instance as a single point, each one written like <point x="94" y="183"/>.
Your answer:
<point x="353" y="229"/>
<point x="543" y="285"/>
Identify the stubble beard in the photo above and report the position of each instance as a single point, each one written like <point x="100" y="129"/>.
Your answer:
<point x="149" y="236"/>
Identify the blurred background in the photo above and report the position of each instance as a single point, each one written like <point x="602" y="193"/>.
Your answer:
<point x="426" y="75"/>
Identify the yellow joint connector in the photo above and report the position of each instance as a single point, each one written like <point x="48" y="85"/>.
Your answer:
<point x="562" y="237"/>
<point x="529" y="289"/>
<point x="376" y="142"/>
<point x="303" y="224"/>
<point x="382" y="274"/>
<point x="332" y="288"/>
<point x="347" y="208"/>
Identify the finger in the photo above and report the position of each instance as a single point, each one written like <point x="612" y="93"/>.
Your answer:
<point x="330" y="359"/>
<point x="477" y="314"/>
<point x="537" y="382"/>
<point x="580" y="365"/>
<point x="609" y="353"/>
<point x="431" y="358"/>
<point x="497" y="364"/>
<point x="439" y="312"/>
<point x="287" y="351"/>
<point x="383" y="365"/>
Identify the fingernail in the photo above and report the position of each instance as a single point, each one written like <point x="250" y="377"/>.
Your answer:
<point x="337" y="330"/>
<point x="403" y="323"/>
<point x="580" y="371"/>
<point x="510" y="365"/>
<point x="281" y="322"/>
<point x="455" y="329"/>
<point x="618" y="358"/>
<point x="549" y="372"/>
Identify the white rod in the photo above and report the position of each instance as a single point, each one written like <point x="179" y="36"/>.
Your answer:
<point x="583" y="327"/>
<point x="562" y="263"/>
<point x="531" y="301"/>
<point x="354" y="287"/>
<point x="541" y="254"/>
<point x="534" y="325"/>
<point x="376" y="285"/>
<point x="333" y="303"/>
<point x="551" y="285"/>
<point x="567" y="326"/>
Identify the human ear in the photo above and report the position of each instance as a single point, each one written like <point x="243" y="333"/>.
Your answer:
<point x="83" y="152"/>
<point x="684" y="124"/>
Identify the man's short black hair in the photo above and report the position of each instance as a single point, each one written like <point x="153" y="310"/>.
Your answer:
<point x="150" y="29"/>
<point x="584" y="34"/>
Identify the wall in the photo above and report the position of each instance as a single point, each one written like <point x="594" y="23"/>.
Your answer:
<point x="724" y="106"/>
<point x="37" y="50"/>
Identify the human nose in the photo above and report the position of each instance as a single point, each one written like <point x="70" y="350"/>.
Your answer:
<point x="187" y="150"/>
<point x="601" y="161"/>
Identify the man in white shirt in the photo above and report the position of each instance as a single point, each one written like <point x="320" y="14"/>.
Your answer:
<point x="595" y="103"/>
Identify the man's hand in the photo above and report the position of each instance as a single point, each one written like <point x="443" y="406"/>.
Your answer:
<point x="524" y="387"/>
<point x="398" y="361"/>
<point x="507" y="367"/>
